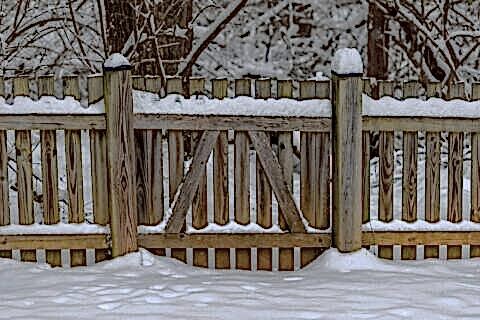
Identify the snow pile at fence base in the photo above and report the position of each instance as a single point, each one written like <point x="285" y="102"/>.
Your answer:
<point x="335" y="286"/>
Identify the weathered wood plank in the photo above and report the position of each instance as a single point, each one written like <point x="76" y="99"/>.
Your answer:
<point x="121" y="160"/>
<point x="2" y="87"/>
<point x="46" y="86"/>
<point x="4" y="201"/>
<point x="21" y="86"/>
<point x="432" y="174"/>
<point x="220" y="178"/>
<point x="186" y="190"/>
<point x="285" y="158"/>
<point x="475" y="177"/>
<point x="239" y="240"/>
<point x="53" y="241"/>
<point x="23" y="145"/>
<point x="51" y="213"/>
<point x="243" y="87"/>
<point x="264" y="191"/>
<point x="414" y="238"/>
<point x="366" y="177"/>
<point x="455" y="172"/>
<point x="51" y="122"/>
<point x="386" y="171"/>
<point x="411" y="89"/>
<point x="229" y="122"/>
<point x="71" y="87"/>
<point x="277" y="180"/>
<point x="99" y="170"/>
<point x="421" y="123"/>
<point x="347" y="162"/>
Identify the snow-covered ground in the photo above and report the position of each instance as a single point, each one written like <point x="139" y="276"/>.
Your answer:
<point x="142" y="286"/>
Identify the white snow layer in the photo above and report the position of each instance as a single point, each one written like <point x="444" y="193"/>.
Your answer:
<point x="116" y="60"/>
<point x="347" y="61"/>
<point x="335" y="286"/>
<point x="60" y="228"/>
<point x="145" y="102"/>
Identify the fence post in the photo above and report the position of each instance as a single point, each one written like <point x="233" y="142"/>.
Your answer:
<point x="347" y="69"/>
<point x="120" y="155"/>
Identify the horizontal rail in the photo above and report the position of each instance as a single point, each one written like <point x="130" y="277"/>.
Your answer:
<point x="227" y="240"/>
<point x="430" y="124"/>
<point x="52" y="121"/>
<point x="421" y="238"/>
<point x="226" y="122"/>
<point x="54" y="241"/>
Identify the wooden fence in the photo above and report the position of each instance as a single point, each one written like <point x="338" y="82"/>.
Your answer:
<point x="132" y="153"/>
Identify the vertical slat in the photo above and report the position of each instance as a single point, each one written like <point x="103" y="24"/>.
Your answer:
<point x="455" y="172"/>
<point x="285" y="157"/>
<point x="242" y="178"/>
<point x="73" y="159"/>
<point x="264" y="191"/>
<point x="475" y="178"/>
<point x="176" y="153"/>
<point x="153" y="84"/>
<point x="366" y="162"/>
<point x="314" y="173"/>
<point x="2" y="87"/>
<point x="48" y="138"/>
<point x="220" y="178"/>
<point x="432" y="175"/>
<point x="98" y="156"/>
<point x="199" y="205"/>
<point x="138" y="83"/>
<point x="4" y="206"/>
<point x="411" y="89"/>
<point x="386" y="166"/>
<point x="23" y="145"/>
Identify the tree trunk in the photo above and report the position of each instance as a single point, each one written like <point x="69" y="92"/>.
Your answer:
<point x="157" y="47"/>
<point x="378" y="42"/>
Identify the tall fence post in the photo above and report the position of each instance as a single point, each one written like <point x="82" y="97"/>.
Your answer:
<point x="347" y="69"/>
<point x="120" y="155"/>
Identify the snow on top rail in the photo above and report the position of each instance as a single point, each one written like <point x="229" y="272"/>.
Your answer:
<point x="150" y="103"/>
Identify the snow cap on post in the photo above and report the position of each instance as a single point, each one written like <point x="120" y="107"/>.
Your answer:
<point x="347" y="62"/>
<point x="117" y="62"/>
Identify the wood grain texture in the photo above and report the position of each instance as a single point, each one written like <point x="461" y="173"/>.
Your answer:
<point x="432" y="124"/>
<point x="455" y="172"/>
<point x="2" y="87"/>
<point x="347" y="162"/>
<point x="21" y="86"/>
<point x="366" y="176"/>
<point x="210" y="122"/>
<point x="432" y="174"/>
<point x="220" y="178"/>
<point x="475" y="177"/>
<point x="186" y="190"/>
<point x="411" y="89"/>
<point x="4" y="199"/>
<point x="263" y="189"/>
<point x="53" y="241"/>
<point x="121" y="161"/>
<point x="95" y="88"/>
<point x="414" y="238"/>
<point x="46" y="86"/>
<point x="23" y="145"/>
<point x="51" y="213"/>
<point x="51" y="122"/>
<point x="285" y="158"/>
<point x="71" y="87"/>
<point x="278" y="181"/>
<point x="236" y="240"/>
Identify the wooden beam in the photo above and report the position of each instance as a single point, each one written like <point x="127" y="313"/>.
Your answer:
<point x="430" y="124"/>
<point x="230" y="122"/>
<point x="51" y="121"/>
<point x="53" y="241"/>
<point x="186" y="190"/>
<point x="277" y="180"/>
<point x="243" y="240"/>
<point x="420" y="238"/>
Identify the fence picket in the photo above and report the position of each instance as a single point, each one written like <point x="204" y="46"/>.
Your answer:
<point x="220" y="178"/>
<point x="199" y="205"/>
<point x="455" y="172"/>
<point x="176" y="154"/>
<point x="411" y="89"/>
<point x="475" y="176"/>
<point x="367" y="89"/>
<point x="48" y="140"/>
<point x="98" y="158"/>
<point x="4" y="203"/>
<point x="386" y="166"/>
<point x="242" y="178"/>
<point x="432" y="174"/>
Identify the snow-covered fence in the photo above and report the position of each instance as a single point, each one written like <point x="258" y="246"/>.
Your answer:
<point x="224" y="204"/>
